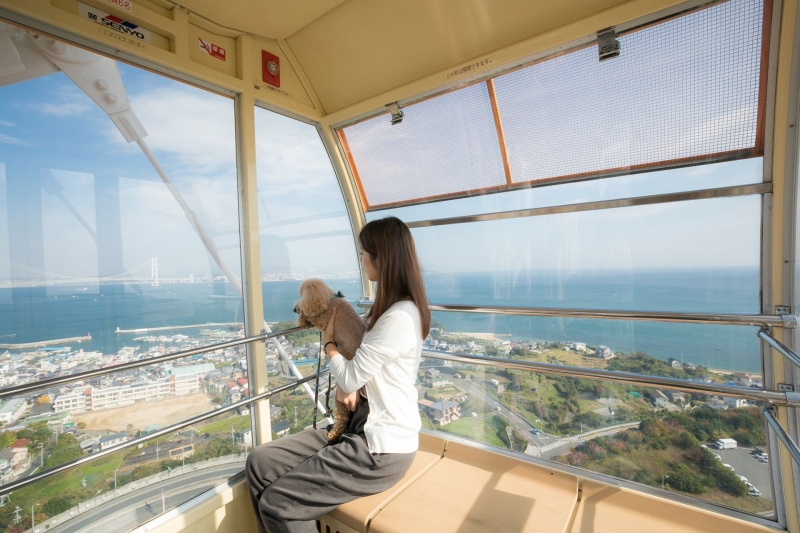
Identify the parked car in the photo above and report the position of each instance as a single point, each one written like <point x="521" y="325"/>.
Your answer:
<point x="744" y="480"/>
<point x="752" y="491"/>
<point x="763" y="459"/>
<point x="729" y="467"/>
<point x="718" y="457"/>
<point x="534" y="431"/>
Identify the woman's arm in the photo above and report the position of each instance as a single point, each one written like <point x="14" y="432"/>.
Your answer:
<point x="392" y="335"/>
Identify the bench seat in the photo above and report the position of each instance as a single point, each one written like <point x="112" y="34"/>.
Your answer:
<point x="614" y="509"/>
<point x="472" y="490"/>
<point x="358" y="513"/>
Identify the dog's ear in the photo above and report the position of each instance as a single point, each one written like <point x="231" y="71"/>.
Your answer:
<point x="314" y="297"/>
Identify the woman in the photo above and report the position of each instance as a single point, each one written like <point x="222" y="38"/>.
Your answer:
<point x="298" y="478"/>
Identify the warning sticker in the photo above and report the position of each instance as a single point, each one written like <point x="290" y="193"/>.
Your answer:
<point x="114" y="22"/>
<point x="211" y="49"/>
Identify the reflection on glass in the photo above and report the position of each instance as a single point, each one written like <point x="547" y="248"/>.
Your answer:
<point x="305" y="233"/>
<point x="137" y="483"/>
<point x="709" y="176"/>
<point x="112" y="250"/>
<point x="708" y="447"/>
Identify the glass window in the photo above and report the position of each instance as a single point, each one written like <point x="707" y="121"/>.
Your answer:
<point x="708" y="447"/>
<point x="710" y="176"/>
<point x="119" y="241"/>
<point x="305" y="233"/>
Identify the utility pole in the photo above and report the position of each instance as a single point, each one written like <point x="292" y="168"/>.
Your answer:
<point x="115" y="483"/>
<point x="41" y="455"/>
<point x="17" y="518"/>
<point x="156" y="449"/>
<point x="163" y="505"/>
<point x="295" y="416"/>
<point x="233" y="442"/>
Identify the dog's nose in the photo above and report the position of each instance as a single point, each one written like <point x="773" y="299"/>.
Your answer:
<point x="294" y="309"/>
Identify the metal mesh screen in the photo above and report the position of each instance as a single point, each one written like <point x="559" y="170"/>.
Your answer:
<point x="681" y="91"/>
<point x="686" y="90"/>
<point x="444" y="146"/>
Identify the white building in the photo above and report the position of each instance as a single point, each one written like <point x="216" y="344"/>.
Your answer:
<point x="186" y="384"/>
<point x="734" y="402"/>
<point x="604" y="352"/>
<point x="112" y="440"/>
<point x="129" y="394"/>
<point x="74" y="402"/>
<point x="12" y="410"/>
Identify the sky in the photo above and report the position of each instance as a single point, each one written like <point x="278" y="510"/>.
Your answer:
<point x="82" y="156"/>
<point x="77" y="201"/>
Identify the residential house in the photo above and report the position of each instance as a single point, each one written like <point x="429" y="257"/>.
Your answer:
<point x="440" y="382"/>
<point x="658" y="398"/>
<point x="281" y="428"/>
<point x="444" y="412"/>
<point x="675" y="396"/>
<point x="12" y="410"/>
<point x="734" y="402"/>
<point x="603" y="352"/>
<point x="113" y="440"/>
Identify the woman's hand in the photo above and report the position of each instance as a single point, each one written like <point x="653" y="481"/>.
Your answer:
<point x="350" y="399"/>
<point x="327" y="335"/>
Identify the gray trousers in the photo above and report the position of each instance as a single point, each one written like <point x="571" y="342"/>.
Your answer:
<point x="298" y="478"/>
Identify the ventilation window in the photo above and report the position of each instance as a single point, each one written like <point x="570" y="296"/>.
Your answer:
<point x="686" y="90"/>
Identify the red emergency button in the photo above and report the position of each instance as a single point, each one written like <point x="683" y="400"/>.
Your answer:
<point x="270" y="68"/>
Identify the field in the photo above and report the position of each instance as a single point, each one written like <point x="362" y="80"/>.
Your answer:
<point x="140" y="415"/>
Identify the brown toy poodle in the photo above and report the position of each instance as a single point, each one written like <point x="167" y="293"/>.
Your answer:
<point x="315" y="305"/>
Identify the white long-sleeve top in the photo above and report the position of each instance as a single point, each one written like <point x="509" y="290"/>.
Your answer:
<point x="387" y="362"/>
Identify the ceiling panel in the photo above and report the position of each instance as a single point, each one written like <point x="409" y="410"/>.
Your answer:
<point x="363" y="48"/>
<point x="276" y="19"/>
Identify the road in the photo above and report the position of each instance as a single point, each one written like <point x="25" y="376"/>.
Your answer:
<point x="542" y="445"/>
<point x="126" y="512"/>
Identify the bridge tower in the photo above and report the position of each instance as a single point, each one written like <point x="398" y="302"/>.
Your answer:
<point x="154" y="271"/>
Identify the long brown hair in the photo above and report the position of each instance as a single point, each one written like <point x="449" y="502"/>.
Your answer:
<point x="390" y="246"/>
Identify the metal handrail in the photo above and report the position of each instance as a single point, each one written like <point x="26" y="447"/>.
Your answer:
<point x="782" y="435"/>
<point x="702" y="194"/>
<point x="780" y="347"/>
<point x="781" y="321"/>
<point x="790" y="399"/>
<point x="38" y="385"/>
<point x="14" y="485"/>
<point x="774" y="398"/>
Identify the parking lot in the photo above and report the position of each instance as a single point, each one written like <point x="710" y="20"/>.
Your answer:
<point x="748" y="466"/>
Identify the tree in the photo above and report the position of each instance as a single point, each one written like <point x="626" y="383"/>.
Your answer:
<point x="43" y="399"/>
<point x="685" y="479"/>
<point x="7" y="438"/>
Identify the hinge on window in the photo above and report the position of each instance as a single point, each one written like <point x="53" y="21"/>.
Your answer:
<point x="607" y="44"/>
<point x="782" y="310"/>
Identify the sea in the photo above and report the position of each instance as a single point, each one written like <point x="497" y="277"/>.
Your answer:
<point x="31" y="314"/>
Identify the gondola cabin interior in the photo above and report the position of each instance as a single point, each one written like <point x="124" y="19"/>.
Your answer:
<point x="603" y="196"/>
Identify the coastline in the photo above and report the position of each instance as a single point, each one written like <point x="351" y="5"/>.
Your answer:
<point x="482" y="336"/>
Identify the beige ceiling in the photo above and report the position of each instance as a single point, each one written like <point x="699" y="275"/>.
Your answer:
<point x="352" y="50"/>
<point x="276" y="19"/>
<point x="363" y="48"/>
